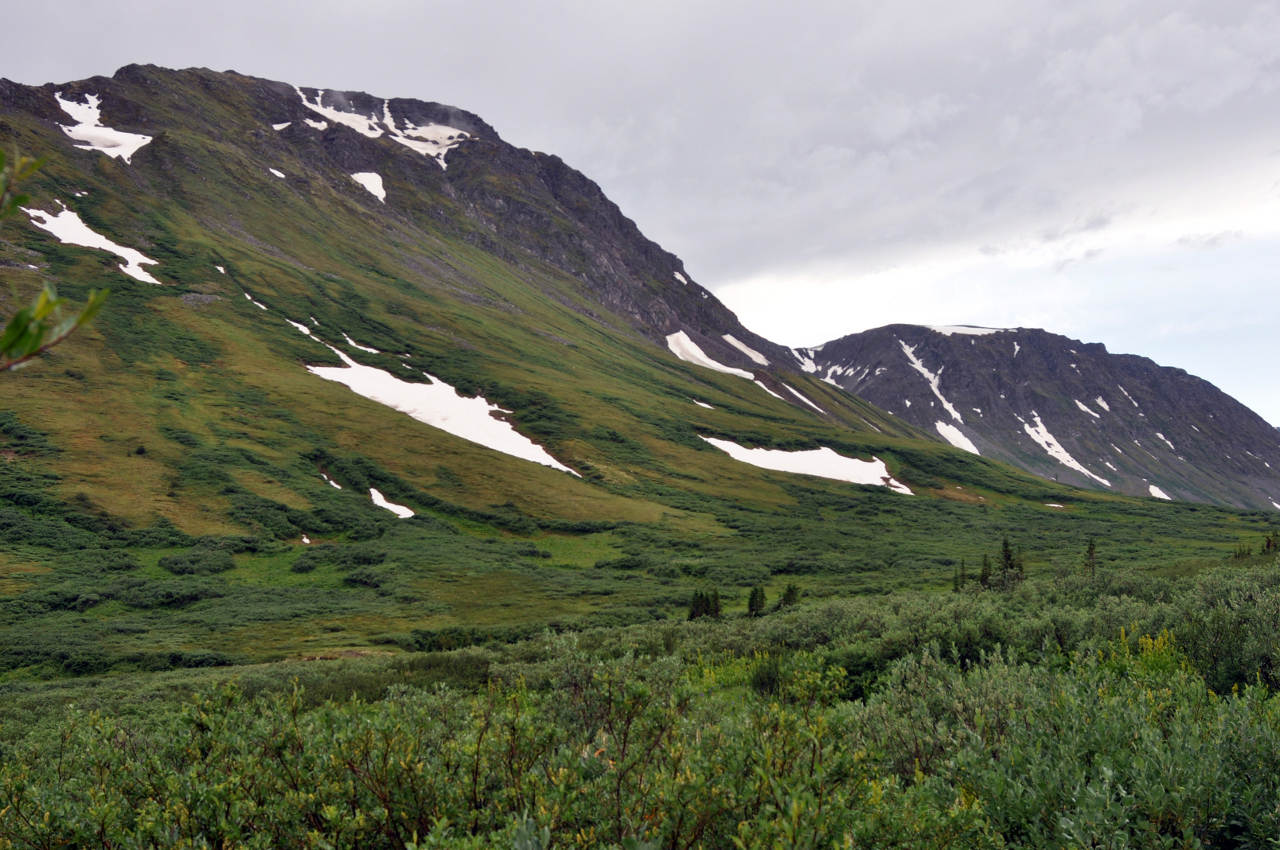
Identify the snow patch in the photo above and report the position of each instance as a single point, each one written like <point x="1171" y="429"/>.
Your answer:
<point x="680" y="278"/>
<point x="766" y="389"/>
<point x="279" y="174"/>
<point x="1016" y="348"/>
<point x="971" y="330"/>
<point x="689" y="351"/>
<point x="1053" y="505"/>
<point x="306" y="540"/>
<point x="1159" y="494"/>
<point x="797" y="394"/>
<point x="351" y="342"/>
<point x="1275" y="504"/>
<point x="220" y="269"/>
<point x="372" y="181"/>
<point x="806" y="360"/>
<point x="257" y="304"/>
<point x="703" y="404"/>
<point x="301" y="328"/>
<point x="822" y="462"/>
<point x="933" y="379"/>
<point x="441" y="406"/>
<point x="379" y="500"/>
<point x="316" y="125"/>
<point x="334" y="484"/>
<point x="1054" y="449"/>
<point x="88" y="129"/>
<point x="1126" y="395"/>
<point x="1102" y="402"/>
<point x="1166" y="441"/>
<point x="955" y="437"/>
<point x="70" y="230"/>
<point x="750" y="352"/>
<point x="1080" y="404"/>
<point x="281" y="125"/>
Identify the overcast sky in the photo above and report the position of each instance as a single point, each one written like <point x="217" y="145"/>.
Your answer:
<point x="1106" y="169"/>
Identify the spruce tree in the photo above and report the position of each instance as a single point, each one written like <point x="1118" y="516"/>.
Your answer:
<point x="755" y="602"/>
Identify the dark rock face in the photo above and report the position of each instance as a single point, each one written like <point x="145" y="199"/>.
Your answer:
<point x="1064" y="410"/>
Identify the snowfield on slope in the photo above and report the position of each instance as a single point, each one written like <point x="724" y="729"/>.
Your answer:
<point x="381" y="501"/>
<point x="431" y="140"/>
<point x="954" y="436"/>
<point x="934" y="379"/>
<point x="1054" y="449"/>
<point x="372" y="181"/>
<point x="745" y="349"/>
<point x="70" y="230"/>
<point x="88" y="129"/>
<point x="822" y="462"/>
<point x="690" y="352"/>
<point x="439" y="405"/>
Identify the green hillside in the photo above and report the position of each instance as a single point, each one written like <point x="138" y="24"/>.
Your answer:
<point x="167" y="498"/>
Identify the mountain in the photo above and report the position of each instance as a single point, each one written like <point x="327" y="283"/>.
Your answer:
<point x="1063" y="409"/>
<point x="370" y="378"/>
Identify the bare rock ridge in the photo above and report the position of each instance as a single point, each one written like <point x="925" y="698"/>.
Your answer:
<point x="1063" y="409"/>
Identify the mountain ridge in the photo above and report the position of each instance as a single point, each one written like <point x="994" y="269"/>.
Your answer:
<point x="1063" y="409"/>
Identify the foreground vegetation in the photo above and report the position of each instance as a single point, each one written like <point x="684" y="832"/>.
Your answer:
<point x="1071" y="711"/>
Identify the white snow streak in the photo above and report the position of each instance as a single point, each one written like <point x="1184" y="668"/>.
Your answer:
<point x="301" y="328"/>
<point x="281" y="125"/>
<point x="257" y="304"/>
<point x="955" y="437"/>
<point x="1102" y="402"/>
<point x="933" y="379"/>
<point x="334" y="484"/>
<point x="769" y="391"/>
<point x="1054" y="449"/>
<point x="689" y="351"/>
<point x="371" y="181"/>
<point x="806" y="360"/>
<point x="822" y="462"/>
<point x="220" y="269"/>
<point x="1126" y="395"/>
<point x="970" y="330"/>
<point x="1159" y="494"/>
<point x="1080" y="404"/>
<point x="431" y="140"/>
<point x="70" y="230"/>
<point x="1166" y="440"/>
<point x="88" y="129"/>
<point x="750" y="352"/>
<point x="379" y="500"/>
<point x="441" y="406"/>
<point x="797" y="394"/>
<point x="279" y="174"/>
<point x="681" y="278"/>
<point x="703" y="404"/>
<point x="351" y="342"/>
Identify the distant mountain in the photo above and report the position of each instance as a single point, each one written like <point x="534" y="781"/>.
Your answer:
<point x="1063" y="409"/>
